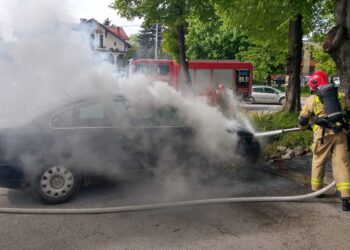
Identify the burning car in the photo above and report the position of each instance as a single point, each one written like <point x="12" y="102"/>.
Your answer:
<point x="58" y="151"/>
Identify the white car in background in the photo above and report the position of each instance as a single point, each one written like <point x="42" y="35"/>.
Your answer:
<point x="336" y="81"/>
<point x="266" y="94"/>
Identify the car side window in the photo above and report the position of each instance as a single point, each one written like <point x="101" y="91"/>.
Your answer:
<point x="90" y="114"/>
<point x="270" y="91"/>
<point x="258" y="90"/>
<point x="63" y="119"/>
<point x="167" y="116"/>
<point x="117" y="113"/>
<point x="164" y="116"/>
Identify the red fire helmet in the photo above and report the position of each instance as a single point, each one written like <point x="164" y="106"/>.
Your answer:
<point x="221" y="86"/>
<point x="317" y="79"/>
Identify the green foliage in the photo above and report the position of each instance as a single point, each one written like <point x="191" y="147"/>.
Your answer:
<point x="323" y="61"/>
<point x="263" y="21"/>
<point x="294" y="139"/>
<point x="210" y="40"/>
<point x="147" y="40"/>
<point x="324" y="13"/>
<point x="167" y="12"/>
<point x="171" y="14"/>
<point x="169" y="45"/>
<point x="274" y="121"/>
<point x="131" y="53"/>
<point x="265" y="59"/>
<point x="280" y="120"/>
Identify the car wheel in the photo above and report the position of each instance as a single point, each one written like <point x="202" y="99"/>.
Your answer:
<point x="282" y="100"/>
<point x="57" y="184"/>
<point x="250" y="100"/>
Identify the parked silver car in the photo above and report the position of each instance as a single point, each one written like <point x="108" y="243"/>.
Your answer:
<point x="266" y="94"/>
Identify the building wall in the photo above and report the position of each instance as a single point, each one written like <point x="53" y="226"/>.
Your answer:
<point x="112" y="42"/>
<point x="113" y="49"/>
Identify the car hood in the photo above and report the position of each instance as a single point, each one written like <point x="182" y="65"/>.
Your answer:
<point x="236" y="128"/>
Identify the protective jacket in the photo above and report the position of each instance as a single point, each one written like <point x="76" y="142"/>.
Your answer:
<point x="327" y="142"/>
<point x="314" y="108"/>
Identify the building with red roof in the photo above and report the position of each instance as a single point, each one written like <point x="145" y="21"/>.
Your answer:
<point x="112" y="41"/>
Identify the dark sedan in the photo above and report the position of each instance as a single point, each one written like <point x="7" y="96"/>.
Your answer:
<point x="58" y="151"/>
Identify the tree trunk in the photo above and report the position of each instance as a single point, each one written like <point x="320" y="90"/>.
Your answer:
<point x="184" y="72"/>
<point x="337" y="44"/>
<point x="295" y="46"/>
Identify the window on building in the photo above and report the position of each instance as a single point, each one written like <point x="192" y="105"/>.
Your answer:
<point x="92" y="40"/>
<point x="101" y="41"/>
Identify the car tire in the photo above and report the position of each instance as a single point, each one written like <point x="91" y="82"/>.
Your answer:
<point x="250" y="100"/>
<point x="57" y="184"/>
<point x="282" y="100"/>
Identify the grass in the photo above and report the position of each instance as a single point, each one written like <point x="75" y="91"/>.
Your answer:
<point x="305" y="91"/>
<point x="280" y="120"/>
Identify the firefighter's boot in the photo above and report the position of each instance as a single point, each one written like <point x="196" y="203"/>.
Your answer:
<point x="345" y="204"/>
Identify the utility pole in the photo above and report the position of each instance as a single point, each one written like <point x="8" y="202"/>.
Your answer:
<point x="156" y="47"/>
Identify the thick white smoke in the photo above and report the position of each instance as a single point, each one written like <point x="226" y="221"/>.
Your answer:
<point x="47" y="59"/>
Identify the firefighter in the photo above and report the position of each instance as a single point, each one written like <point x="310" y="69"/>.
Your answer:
<point x="326" y="107"/>
<point x="212" y="96"/>
<point x="224" y="101"/>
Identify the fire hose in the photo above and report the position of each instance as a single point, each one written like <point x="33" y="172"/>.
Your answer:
<point x="158" y="206"/>
<point x="164" y="205"/>
<point x="276" y="132"/>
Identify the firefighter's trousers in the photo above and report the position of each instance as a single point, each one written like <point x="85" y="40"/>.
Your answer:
<point x="334" y="146"/>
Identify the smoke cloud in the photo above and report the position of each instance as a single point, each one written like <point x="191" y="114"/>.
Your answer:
<point x="46" y="60"/>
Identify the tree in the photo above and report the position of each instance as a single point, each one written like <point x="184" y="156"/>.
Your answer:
<point x="210" y="40"/>
<point x="265" y="59"/>
<point x="172" y="14"/>
<point x="323" y="61"/>
<point x="337" y="43"/>
<point x="274" y="23"/>
<point x="132" y="52"/>
<point x="147" y="40"/>
<point x="107" y="22"/>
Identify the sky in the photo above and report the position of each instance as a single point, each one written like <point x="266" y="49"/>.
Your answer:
<point x="74" y="10"/>
<point x="99" y="10"/>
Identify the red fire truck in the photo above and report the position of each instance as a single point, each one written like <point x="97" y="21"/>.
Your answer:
<point x="237" y="76"/>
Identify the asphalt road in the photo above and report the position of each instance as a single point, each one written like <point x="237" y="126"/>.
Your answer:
<point x="316" y="224"/>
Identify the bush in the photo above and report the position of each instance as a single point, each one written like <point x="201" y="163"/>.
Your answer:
<point x="304" y="91"/>
<point x="273" y="121"/>
<point x="281" y="120"/>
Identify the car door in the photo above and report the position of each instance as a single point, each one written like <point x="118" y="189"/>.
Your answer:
<point x="270" y="95"/>
<point x="94" y="137"/>
<point x="258" y="94"/>
<point x="166" y="133"/>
